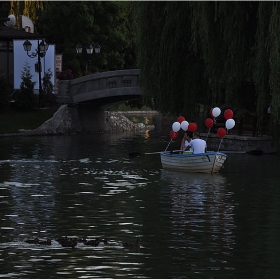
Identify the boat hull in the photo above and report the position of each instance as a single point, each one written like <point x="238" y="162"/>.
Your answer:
<point x="210" y="162"/>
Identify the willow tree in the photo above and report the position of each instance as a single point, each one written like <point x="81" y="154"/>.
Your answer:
<point x="168" y="67"/>
<point x="26" y="8"/>
<point x="273" y="42"/>
<point x="210" y="53"/>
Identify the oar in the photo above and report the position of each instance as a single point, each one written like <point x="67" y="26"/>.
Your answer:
<point x="137" y="154"/>
<point x="168" y="144"/>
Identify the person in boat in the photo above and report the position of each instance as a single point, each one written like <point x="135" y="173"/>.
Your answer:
<point x="199" y="145"/>
<point x="186" y="142"/>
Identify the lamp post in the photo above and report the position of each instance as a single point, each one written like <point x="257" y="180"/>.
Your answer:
<point x="89" y="50"/>
<point x="40" y="52"/>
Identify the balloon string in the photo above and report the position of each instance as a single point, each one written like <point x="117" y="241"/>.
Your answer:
<point x="220" y="144"/>
<point x="208" y="134"/>
<point x="168" y="144"/>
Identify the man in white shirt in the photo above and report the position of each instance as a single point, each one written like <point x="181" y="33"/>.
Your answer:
<point x="199" y="146"/>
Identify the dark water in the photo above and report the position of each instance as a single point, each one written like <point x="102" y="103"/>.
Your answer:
<point x="190" y="225"/>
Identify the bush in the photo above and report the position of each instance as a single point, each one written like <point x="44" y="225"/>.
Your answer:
<point x="4" y="92"/>
<point x="47" y="87"/>
<point x="26" y="100"/>
<point x="65" y="75"/>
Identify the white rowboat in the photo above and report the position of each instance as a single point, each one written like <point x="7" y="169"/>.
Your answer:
<point x="209" y="162"/>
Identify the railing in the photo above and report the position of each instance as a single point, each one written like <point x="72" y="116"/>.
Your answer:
<point x="99" y="85"/>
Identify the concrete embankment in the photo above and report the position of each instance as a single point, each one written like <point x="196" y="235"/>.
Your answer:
<point x="240" y="143"/>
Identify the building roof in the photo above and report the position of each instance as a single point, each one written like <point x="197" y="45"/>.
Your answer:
<point x="9" y="34"/>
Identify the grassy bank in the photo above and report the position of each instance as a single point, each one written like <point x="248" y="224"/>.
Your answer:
<point x="11" y="121"/>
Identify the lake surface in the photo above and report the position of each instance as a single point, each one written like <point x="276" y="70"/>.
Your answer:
<point x="190" y="225"/>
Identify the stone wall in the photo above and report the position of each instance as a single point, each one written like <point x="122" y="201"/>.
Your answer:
<point x="239" y="143"/>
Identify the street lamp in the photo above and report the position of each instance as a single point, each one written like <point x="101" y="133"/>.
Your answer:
<point x="40" y="52"/>
<point x="89" y="50"/>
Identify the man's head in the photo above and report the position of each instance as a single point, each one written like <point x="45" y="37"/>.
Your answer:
<point x="196" y="135"/>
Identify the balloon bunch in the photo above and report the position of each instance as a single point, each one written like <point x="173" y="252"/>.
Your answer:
<point x="214" y="113"/>
<point x="230" y="123"/>
<point x="181" y="123"/>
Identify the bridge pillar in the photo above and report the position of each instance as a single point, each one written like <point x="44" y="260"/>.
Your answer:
<point x="87" y="119"/>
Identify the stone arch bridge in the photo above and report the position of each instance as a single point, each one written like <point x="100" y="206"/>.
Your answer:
<point x="87" y="97"/>
<point x="101" y="90"/>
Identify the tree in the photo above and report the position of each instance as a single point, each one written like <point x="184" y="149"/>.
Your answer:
<point x="48" y="88"/>
<point x="27" y="8"/>
<point x="94" y="21"/>
<point x="210" y="53"/>
<point x="26" y="100"/>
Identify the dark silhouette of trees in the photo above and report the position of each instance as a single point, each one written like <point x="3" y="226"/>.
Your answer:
<point x="210" y="53"/>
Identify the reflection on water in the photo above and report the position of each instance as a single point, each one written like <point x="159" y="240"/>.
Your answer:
<point x="201" y="219"/>
<point x="191" y="225"/>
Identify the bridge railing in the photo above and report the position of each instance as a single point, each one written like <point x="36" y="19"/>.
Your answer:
<point x="94" y="83"/>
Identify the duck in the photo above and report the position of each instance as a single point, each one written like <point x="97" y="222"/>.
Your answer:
<point x="104" y="240"/>
<point x="45" y="242"/>
<point x="132" y="245"/>
<point x="32" y="241"/>
<point x="67" y="242"/>
<point x="82" y="240"/>
<point x="94" y="242"/>
<point x="62" y="239"/>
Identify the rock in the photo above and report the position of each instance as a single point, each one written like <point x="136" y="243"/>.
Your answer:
<point x="67" y="120"/>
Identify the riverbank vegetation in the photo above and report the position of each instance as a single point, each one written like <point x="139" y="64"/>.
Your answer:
<point x="212" y="53"/>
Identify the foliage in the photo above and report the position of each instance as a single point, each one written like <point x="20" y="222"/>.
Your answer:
<point x="212" y="53"/>
<point x="105" y="22"/>
<point x="65" y="75"/>
<point x="27" y="8"/>
<point x="48" y="88"/>
<point x="26" y="100"/>
<point x="13" y="120"/>
<point x="126" y="107"/>
<point x="134" y="103"/>
<point x="4" y="93"/>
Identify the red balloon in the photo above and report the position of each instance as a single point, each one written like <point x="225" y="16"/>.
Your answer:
<point x="221" y="132"/>
<point x="173" y="135"/>
<point x="228" y="114"/>
<point x="181" y="119"/>
<point x="211" y="113"/>
<point x="209" y="123"/>
<point x="192" y="127"/>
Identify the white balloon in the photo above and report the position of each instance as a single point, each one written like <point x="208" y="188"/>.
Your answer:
<point x="216" y="112"/>
<point x="176" y="126"/>
<point x="184" y="125"/>
<point x="230" y="123"/>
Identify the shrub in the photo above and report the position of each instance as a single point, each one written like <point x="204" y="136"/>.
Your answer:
<point x="4" y="92"/>
<point x="65" y="75"/>
<point x="26" y="100"/>
<point x="47" y="87"/>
